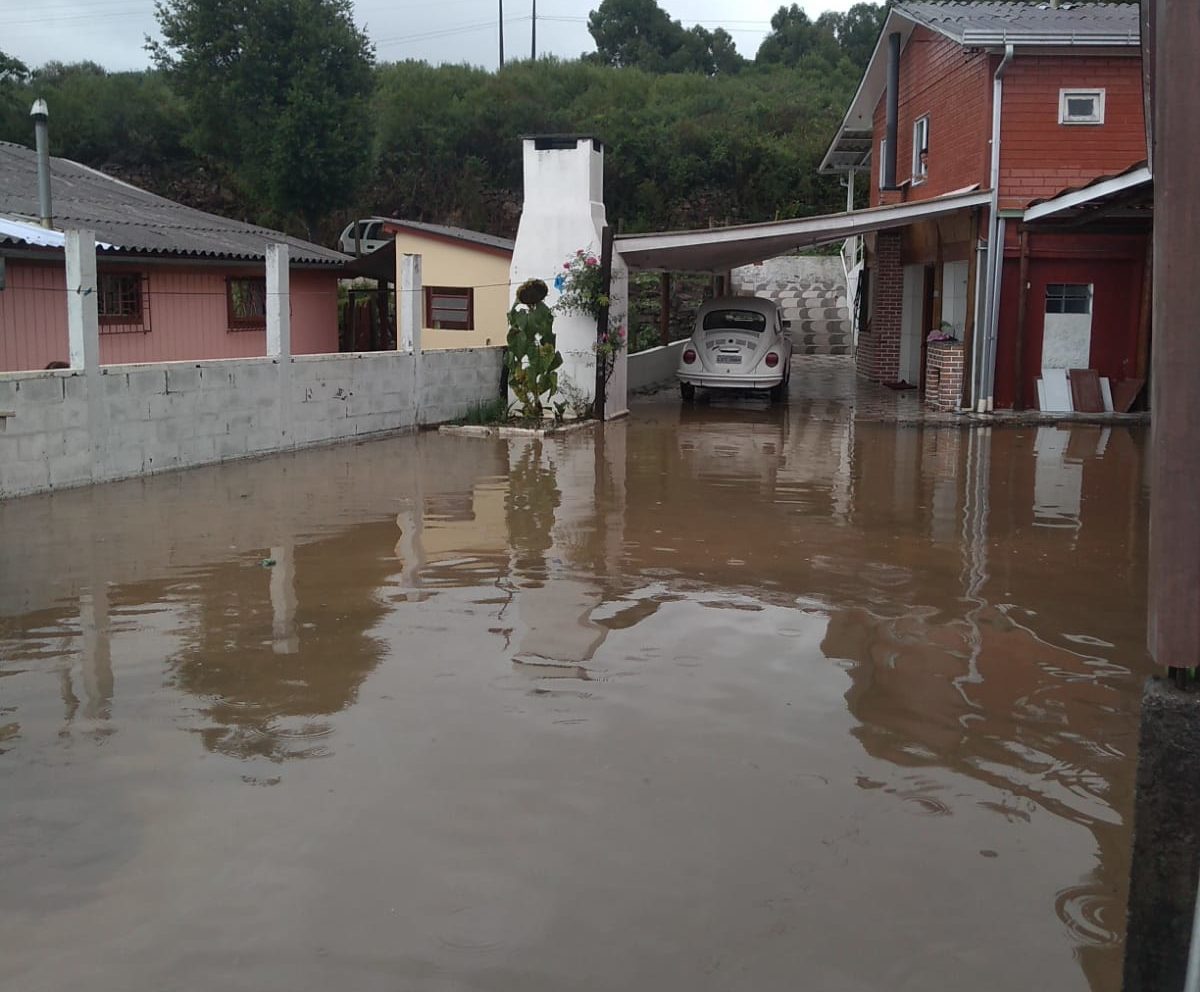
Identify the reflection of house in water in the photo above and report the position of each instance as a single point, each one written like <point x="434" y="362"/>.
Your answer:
<point x="270" y="662"/>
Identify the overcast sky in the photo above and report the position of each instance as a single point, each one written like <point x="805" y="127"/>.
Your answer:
<point x="111" y="32"/>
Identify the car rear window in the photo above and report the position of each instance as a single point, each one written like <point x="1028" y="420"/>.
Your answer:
<point x="735" y="320"/>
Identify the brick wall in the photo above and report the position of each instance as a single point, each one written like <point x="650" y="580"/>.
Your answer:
<point x="944" y="375"/>
<point x="67" y="428"/>
<point x="878" y="353"/>
<point x="1040" y="157"/>
<point x="953" y="86"/>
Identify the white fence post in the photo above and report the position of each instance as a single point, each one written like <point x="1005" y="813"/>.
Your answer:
<point x="279" y="303"/>
<point x="83" y="306"/>
<point x="411" y="304"/>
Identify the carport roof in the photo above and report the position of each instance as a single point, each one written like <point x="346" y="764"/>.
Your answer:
<point x="721" y="248"/>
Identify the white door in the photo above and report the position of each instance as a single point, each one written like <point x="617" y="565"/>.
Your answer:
<point x="954" y="296"/>
<point x="912" y="310"/>
<point x="1067" y="334"/>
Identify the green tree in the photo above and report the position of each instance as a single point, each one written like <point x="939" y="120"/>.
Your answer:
<point x="277" y="91"/>
<point x="640" y="34"/>
<point x="12" y="70"/>
<point x="795" y="37"/>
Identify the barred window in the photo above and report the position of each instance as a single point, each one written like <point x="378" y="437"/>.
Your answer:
<point x="119" y="298"/>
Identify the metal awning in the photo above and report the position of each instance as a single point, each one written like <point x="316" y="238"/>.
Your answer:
<point x="721" y="248"/>
<point x="1129" y="194"/>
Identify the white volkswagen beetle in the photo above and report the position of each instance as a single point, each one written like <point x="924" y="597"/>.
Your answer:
<point x="740" y="343"/>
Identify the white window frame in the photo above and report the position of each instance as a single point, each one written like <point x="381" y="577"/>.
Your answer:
<point x="882" y="161"/>
<point x="920" y="171"/>
<point x="1095" y="92"/>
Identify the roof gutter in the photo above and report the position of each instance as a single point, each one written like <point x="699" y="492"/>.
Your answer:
<point x="994" y="39"/>
<point x="984" y="360"/>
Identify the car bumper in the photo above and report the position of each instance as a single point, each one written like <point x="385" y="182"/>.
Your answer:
<point x="710" y="380"/>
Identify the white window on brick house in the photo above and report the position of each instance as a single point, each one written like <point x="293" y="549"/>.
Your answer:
<point x="882" y="161"/>
<point x="920" y="150"/>
<point x="1081" y="106"/>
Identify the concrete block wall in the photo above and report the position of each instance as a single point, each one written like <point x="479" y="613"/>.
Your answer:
<point x="65" y="428"/>
<point x="654" y="366"/>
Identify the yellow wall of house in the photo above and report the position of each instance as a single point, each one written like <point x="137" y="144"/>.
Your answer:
<point x="445" y="264"/>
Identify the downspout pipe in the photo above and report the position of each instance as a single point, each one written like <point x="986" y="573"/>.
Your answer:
<point x="985" y="356"/>
<point x="41" y="126"/>
<point x="888" y="165"/>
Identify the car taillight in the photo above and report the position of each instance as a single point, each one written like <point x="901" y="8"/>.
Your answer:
<point x="772" y="359"/>
<point x="689" y="356"/>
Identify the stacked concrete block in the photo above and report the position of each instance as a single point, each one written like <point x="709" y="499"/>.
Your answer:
<point x="811" y="290"/>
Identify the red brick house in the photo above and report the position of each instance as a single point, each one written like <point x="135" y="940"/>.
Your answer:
<point x="1022" y="103"/>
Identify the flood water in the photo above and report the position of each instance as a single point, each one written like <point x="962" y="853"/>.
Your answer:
<point x="724" y="698"/>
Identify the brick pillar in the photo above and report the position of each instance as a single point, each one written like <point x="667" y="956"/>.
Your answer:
<point x="943" y="375"/>
<point x="878" y="355"/>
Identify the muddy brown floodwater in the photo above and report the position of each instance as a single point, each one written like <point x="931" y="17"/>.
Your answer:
<point x="723" y="699"/>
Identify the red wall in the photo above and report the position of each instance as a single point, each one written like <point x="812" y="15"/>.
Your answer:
<point x="1040" y="157"/>
<point x="1114" y="264"/>
<point x="952" y="85"/>
<point x="187" y="317"/>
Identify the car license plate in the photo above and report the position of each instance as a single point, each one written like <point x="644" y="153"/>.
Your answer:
<point x="729" y="359"/>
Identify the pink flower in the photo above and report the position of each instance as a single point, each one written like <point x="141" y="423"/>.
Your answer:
<point x="591" y="261"/>
<point x="566" y="265"/>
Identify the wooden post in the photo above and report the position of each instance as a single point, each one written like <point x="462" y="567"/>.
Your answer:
<point x="1174" y="629"/>
<point x="1143" y="339"/>
<point x="1165" y="860"/>
<point x="664" y="309"/>
<point x="1022" y="317"/>
<point x="606" y="253"/>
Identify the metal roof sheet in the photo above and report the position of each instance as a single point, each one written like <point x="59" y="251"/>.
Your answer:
<point x="456" y="233"/>
<point x="135" y="221"/>
<point x="985" y="22"/>
<point x="719" y="248"/>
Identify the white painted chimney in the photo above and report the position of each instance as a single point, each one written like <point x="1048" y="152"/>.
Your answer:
<point x="563" y="212"/>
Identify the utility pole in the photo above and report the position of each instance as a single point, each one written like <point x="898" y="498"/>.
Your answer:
<point x="500" y="24"/>
<point x="533" y="33"/>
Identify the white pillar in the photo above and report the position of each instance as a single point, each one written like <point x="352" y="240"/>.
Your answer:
<point x="83" y="307"/>
<point x="411" y="303"/>
<point x="410" y="307"/>
<point x="279" y="303"/>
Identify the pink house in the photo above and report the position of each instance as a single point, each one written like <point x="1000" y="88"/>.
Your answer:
<point x="175" y="284"/>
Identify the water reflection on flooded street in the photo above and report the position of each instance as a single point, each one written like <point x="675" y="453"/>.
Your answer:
<point x="721" y="698"/>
